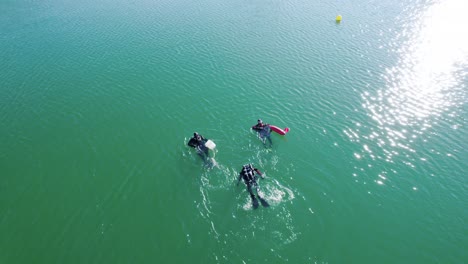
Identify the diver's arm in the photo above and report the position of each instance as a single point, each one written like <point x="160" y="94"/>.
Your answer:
<point x="259" y="172"/>
<point x="191" y="143"/>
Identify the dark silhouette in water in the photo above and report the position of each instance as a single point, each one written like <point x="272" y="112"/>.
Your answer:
<point x="249" y="175"/>
<point x="198" y="143"/>
<point x="264" y="132"/>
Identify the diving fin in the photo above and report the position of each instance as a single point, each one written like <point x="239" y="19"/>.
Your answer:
<point x="254" y="202"/>
<point x="263" y="202"/>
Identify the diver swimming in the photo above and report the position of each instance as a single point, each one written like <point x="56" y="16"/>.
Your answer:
<point x="249" y="175"/>
<point x="264" y="132"/>
<point x="202" y="146"/>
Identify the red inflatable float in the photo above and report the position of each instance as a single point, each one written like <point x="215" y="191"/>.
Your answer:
<point x="279" y="130"/>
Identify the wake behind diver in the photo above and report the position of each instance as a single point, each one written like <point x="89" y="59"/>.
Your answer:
<point x="248" y="174"/>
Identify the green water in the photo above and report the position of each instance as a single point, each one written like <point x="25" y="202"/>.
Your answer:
<point x="98" y="99"/>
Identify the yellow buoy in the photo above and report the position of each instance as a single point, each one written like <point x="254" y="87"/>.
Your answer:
<point x="338" y="18"/>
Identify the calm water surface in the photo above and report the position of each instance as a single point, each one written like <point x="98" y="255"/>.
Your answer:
<point x="98" y="100"/>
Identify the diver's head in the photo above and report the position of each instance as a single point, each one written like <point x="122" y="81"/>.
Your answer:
<point x="260" y="121"/>
<point x="197" y="136"/>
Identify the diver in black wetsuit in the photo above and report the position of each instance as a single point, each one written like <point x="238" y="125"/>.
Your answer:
<point x="248" y="174"/>
<point x="264" y="131"/>
<point x="198" y="143"/>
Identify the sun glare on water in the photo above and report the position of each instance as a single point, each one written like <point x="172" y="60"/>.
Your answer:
<point x="427" y="85"/>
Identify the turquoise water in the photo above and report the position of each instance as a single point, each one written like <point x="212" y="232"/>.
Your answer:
<point x="98" y="100"/>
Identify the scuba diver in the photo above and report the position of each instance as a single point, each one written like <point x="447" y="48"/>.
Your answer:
<point x="264" y="131"/>
<point x="248" y="174"/>
<point x="198" y="143"/>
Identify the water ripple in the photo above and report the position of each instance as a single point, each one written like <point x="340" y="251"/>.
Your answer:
<point x="423" y="91"/>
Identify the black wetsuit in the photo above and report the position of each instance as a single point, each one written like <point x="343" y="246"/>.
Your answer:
<point x="264" y="131"/>
<point x="248" y="173"/>
<point x="259" y="127"/>
<point x="199" y="144"/>
<point x="250" y="178"/>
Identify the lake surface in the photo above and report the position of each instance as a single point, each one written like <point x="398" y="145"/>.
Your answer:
<point x="99" y="98"/>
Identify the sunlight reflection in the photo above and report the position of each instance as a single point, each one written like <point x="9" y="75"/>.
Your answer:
<point x="427" y="81"/>
<point x="430" y="65"/>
